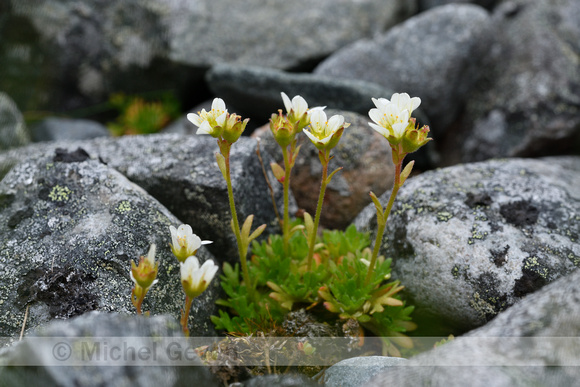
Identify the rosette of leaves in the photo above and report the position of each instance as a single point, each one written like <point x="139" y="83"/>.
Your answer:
<point x="138" y="116"/>
<point x="334" y="288"/>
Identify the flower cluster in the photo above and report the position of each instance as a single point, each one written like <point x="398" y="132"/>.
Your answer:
<point x="218" y="122"/>
<point x="392" y="119"/>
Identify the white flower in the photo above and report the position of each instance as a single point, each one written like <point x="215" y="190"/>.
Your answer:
<point x="297" y="106"/>
<point x="196" y="279"/>
<point x="184" y="242"/>
<point x="389" y="119"/>
<point x="210" y="122"/>
<point x="404" y="102"/>
<point x="322" y="129"/>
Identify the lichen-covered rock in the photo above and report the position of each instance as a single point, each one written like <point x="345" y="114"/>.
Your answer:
<point x="469" y="241"/>
<point x="527" y="102"/>
<point x="365" y="157"/>
<point x="533" y="343"/>
<point x="432" y="56"/>
<point x="112" y="343"/>
<point x="181" y="172"/>
<point x="69" y="228"/>
<point x="13" y="131"/>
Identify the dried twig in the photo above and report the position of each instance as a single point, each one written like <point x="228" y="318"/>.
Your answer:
<point x="24" y="322"/>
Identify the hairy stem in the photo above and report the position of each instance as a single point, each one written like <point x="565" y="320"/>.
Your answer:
<point x="241" y="249"/>
<point x="382" y="225"/>
<point x="312" y="241"/>
<point x="286" y="185"/>
<point x="185" y="315"/>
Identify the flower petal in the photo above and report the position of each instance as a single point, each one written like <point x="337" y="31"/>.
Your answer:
<point x="287" y="103"/>
<point x="300" y="106"/>
<point x="312" y="137"/>
<point x="334" y="123"/>
<point x="194" y="119"/>
<point x="379" y="129"/>
<point x="218" y="104"/>
<point x="204" y="128"/>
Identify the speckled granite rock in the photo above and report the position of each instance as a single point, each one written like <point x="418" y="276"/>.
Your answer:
<point x="533" y="343"/>
<point x="357" y="371"/>
<point x="181" y="172"/>
<point x="471" y="240"/>
<point x="282" y="380"/>
<point x="69" y="228"/>
<point x="137" y="337"/>
<point x="367" y="165"/>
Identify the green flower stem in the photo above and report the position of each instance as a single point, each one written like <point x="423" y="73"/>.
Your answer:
<point x="312" y="241"/>
<point x="286" y="185"/>
<point x="382" y="224"/>
<point x="185" y="315"/>
<point x="241" y="250"/>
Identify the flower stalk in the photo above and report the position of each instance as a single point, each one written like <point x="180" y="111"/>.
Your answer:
<point x="392" y="119"/>
<point x="227" y="128"/>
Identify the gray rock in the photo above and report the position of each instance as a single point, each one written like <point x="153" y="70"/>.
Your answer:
<point x="74" y="54"/>
<point x="281" y="380"/>
<point x="255" y="91"/>
<point x="428" y="4"/>
<point x="68" y="233"/>
<point x="365" y="157"/>
<point x="469" y="241"/>
<point x="57" y="129"/>
<point x="283" y="34"/>
<point x="357" y="371"/>
<point x="527" y="101"/>
<point x="432" y="56"/>
<point x="102" y="332"/>
<point x="13" y="131"/>
<point x="533" y="343"/>
<point x="181" y="172"/>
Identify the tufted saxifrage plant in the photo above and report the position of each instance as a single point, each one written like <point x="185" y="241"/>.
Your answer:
<point x="333" y="274"/>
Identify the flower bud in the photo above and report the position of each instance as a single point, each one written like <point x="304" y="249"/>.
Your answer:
<point x="145" y="272"/>
<point x="415" y="138"/>
<point x="234" y="127"/>
<point x="282" y="129"/>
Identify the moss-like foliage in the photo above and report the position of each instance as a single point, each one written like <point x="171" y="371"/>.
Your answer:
<point x="334" y="289"/>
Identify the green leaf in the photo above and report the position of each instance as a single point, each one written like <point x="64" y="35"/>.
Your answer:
<point x="332" y="174"/>
<point x="221" y="161"/>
